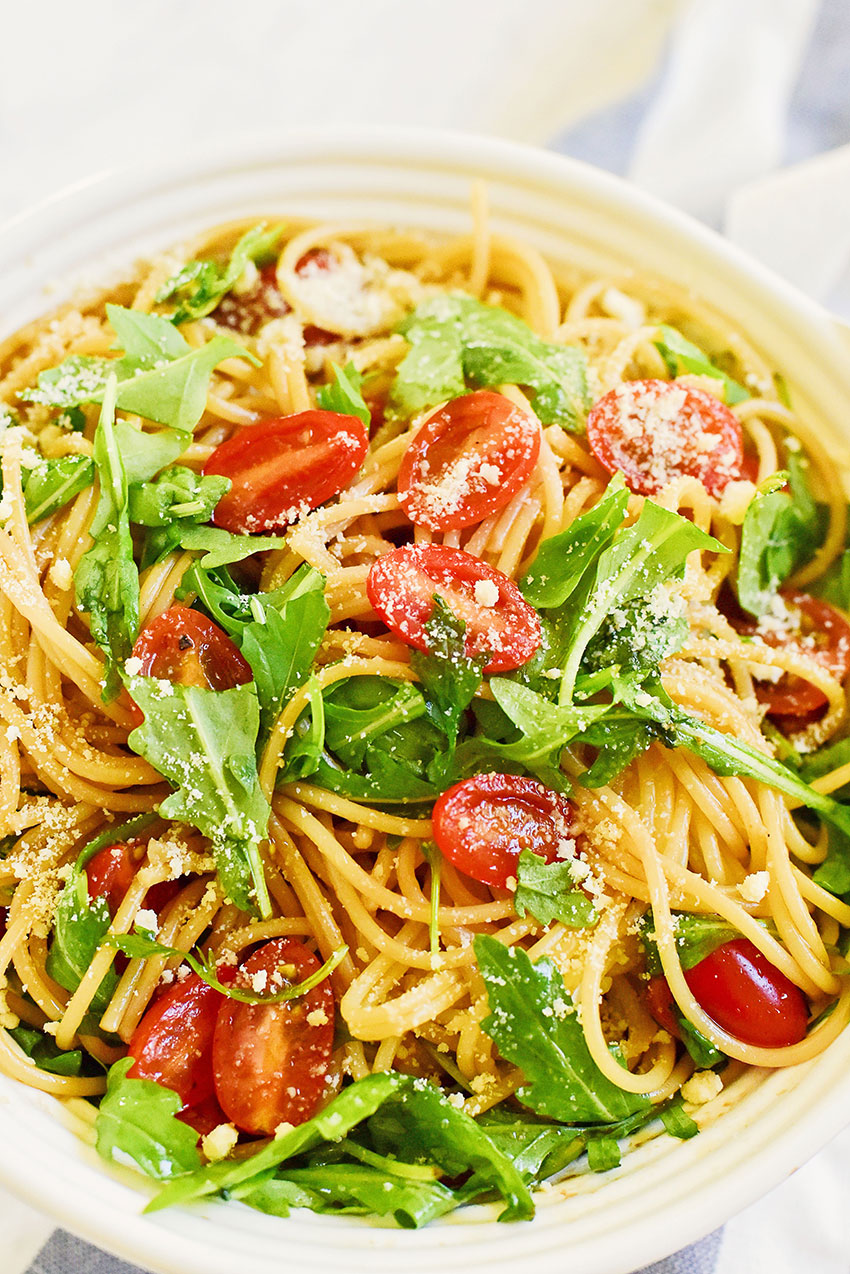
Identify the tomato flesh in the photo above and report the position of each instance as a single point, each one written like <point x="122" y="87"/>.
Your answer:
<point x="283" y="467"/>
<point x="172" y="1044"/>
<point x="186" y="647"/>
<point x="740" y="990"/>
<point x="401" y="586"/>
<point x="111" y="872"/>
<point x="482" y="824"/>
<point x="270" y="1061"/>
<point x="658" y="430"/>
<point x="467" y="461"/>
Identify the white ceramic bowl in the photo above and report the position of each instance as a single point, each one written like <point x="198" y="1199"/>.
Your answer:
<point x="667" y="1193"/>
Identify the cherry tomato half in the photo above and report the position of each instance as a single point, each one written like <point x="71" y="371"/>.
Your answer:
<point x="743" y="993"/>
<point x="204" y="1116"/>
<point x="172" y="1044"/>
<point x="822" y="633"/>
<point x="184" y="646"/>
<point x="246" y="311"/>
<point x="111" y="871"/>
<point x="468" y="460"/>
<point x="401" y="587"/>
<point x="482" y="824"/>
<point x="271" y="1060"/>
<point x="284" y="467"/>
<point x="658" y="430"/>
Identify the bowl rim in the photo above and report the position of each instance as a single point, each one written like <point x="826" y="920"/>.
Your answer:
<point x="102" y="195"/>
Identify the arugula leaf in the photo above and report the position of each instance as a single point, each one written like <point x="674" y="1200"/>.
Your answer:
<point x="696" y="937"/>
<point x="200" y="285"/>
<point x="534" y="1025"/>
<point x="563" y="559"/>
<point x="620" y="737"/>
<point x="677" y="1122"/>
<point x="434" y="859"/>
<point x="352" y="1189"/>
<point x="223" y="548"/>
<point x="419" y="1122"/>
<point x="203" y="742"/>
<point x="359" y="710"/>
<point x="159" y="376"/>
<point x="304" y="748"/>
<point x="106" y="579"/>
<point x="456" y="339"/>
<point x="177" y="493"/>
<point x="638" y="560"/>
<point x="137" y="1120"/>
<point x="46" y="1053"/>
<point x="350" y="1108"/>
<point x="450" y="677"/>
<point x="280" y="645"/>
<point x="781" y="532"/>
<point x="49" y="485"/>
<point x="682" y="356"/>
<point x="603" y="1154"/>
<point x="549" y="892"/>
<point x="344" y="394"/>
<point x="143" y="944"/>
<point x="833" y="873"/>
<point x="79" y="927"/>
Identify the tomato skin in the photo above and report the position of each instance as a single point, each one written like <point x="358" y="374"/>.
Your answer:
<point x="401" y="587"/>
<point x="285" y="466"/>
<point x="657" y="430"/>
<point x="662" y="1006"/>
<point x="172" y="1044"/>
<point x="481" y="825"/>
<point x="442" y="482"/>
<point x="111" y="872"/>
<point x="184" y="646"/>
<point x="746" y="995"/>
<point x="824" y="635"/>
<point x="204" y="1116"/>
<point x="270" y="1062"/>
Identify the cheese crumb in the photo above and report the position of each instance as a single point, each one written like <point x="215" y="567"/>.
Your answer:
<point x="755" y="886"/>
<point x="61" y="574"/>
<point x="486" y="592"/>
<point x="702" y="1087"/>
<point x="147" y="920"/>
<point x="318" y="1017"/>
<point x="219" y="1143"/>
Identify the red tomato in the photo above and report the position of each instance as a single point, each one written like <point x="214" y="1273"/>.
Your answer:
<point x="662" y="1006"/>
<point x="823" y="633"/>
<point x="185" y="646"/>
<point x="111" y="872"/>
<point x="657" y="430"/>
<point x="468" y="460"/>
<point x="741" y="991"/>
<point x="203" y="1117"/>
<point x="481" y="824"/>
<point x="284" y="467"/>
<point x="401" y="587"/>
<point x="748" y="996"/>
<point x="271" y="1060"/>
<point x="172" y="1044"/>
<point x="248" y="311"/>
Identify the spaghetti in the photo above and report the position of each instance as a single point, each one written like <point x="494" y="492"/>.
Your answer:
<point x="674" y="855"/>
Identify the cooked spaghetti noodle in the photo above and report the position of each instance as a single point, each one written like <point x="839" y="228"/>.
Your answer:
<point x="669" y="832"/>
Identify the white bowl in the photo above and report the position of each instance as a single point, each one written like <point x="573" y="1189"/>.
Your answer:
<point x="667" y="1193"/>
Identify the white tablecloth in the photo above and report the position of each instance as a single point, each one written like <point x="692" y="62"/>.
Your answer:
<point x="702" y="102"/>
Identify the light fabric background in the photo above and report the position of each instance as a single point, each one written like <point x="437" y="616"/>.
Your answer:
<point x="736" y="110"/>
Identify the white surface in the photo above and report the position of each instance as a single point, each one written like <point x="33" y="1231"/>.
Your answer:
<point x="666" y="1193"/>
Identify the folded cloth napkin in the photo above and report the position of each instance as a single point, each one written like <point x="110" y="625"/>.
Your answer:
<point x="689" y="98"/>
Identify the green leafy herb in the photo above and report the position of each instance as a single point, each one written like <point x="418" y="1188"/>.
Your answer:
<point x="549" y="892"/>
<point x="677" y="1122"/>
<point x="534" y="1025"/>
<point x="564" y="559"/>
<point x="603" y="1154"/>
<point x="79" y="927"/>
<point x="781" y="531"/>
<point x="682" y="356"/>
<point x="280" y="645"/>
<point x="143" y="944"/>
<point x="137" y="1120"/>
<point x="159" y="375"/>
<point x="456" y="339"/>
<point x="434" y="859"/>
<point x="344" y="394"/>
<point x="696" y="937"/>
<point x="49" y="485"/>
<point x="450" y="677"/>
<point x="46" y="1053"/>
<point x="203" y="742"/>
<point x="352" y="1189"/>
<point x="178" y="498"/>
<point x="199" y="285"/>
<point x="223" y="548"/>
